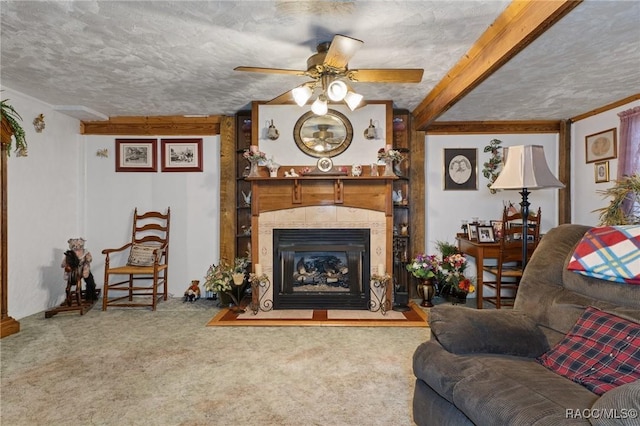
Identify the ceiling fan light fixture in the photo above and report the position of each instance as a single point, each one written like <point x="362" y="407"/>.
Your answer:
<point x="301" y="94"/>
<point x="353" y="99"/>
<point x="337" y="90"/>
<point x="319" y="106"/>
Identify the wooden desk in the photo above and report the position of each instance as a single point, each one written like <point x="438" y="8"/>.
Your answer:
<point x="480" y="251"/>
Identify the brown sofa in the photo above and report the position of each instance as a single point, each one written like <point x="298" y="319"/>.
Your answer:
<point x="479" y="365"/>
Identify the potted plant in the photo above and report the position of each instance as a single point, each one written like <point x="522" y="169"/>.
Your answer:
<point x="623" y="208"/>
<point x="11" y="127"/>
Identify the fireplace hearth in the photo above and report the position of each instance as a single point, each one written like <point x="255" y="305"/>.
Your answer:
<point x="321" y="268"/>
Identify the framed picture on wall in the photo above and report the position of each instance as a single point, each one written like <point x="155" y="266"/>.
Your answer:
<point x="181" y="155"/>
<point x="601" y="146"/>
<point x="460" y="169"/>
<point x="601" y="171"/>
<point x="136" y="155"/>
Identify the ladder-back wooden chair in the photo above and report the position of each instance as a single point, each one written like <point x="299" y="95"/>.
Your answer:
<point x="509" y="262"/>
<point x="147" y="267"/>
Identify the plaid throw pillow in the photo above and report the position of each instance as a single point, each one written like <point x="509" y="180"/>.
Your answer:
<point x="600" y="352"/>
<point x="610" y="253"/>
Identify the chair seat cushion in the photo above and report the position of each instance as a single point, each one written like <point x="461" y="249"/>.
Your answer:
<point x="601" y="352"/>
<point x="142" y="254"/>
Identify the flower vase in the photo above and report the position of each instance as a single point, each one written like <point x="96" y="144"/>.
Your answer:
<point x="388" y="167"/>
<point x="253" y="171"/>
<point x="426" y="290"/>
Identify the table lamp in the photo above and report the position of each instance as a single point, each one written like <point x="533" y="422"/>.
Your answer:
<point x="525" y="168"/>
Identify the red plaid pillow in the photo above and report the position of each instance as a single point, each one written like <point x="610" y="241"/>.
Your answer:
<point x="600" y="352"/>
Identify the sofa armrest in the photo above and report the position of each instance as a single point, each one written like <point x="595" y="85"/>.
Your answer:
<point x="619" y="406"/>
<point x="466" y="331"/>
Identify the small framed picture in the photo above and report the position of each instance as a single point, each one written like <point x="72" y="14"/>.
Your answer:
<point x="460" y="169"/>
<point x="181" y="155"/>
<point x="497" y="228"/>
<point x="472" y="231"/>
<point x="485" y="234"/>
<point x="601" y="146"/>
<point x="136" y="155"/>
<point x="601" y="170"/>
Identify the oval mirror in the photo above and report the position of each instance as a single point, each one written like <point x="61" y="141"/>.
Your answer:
<point x="323" y="135"/>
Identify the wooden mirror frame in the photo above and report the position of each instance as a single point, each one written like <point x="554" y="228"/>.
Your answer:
<point x="307" y="125"/>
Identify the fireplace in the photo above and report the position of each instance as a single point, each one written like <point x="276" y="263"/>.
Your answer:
<point x="321" y="268"/>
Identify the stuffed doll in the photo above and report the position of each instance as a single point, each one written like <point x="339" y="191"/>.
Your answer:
<point x="77" y="246"/>
<point x="193" y="292"/>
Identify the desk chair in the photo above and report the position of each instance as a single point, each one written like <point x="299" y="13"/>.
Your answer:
<point x="509" y="261"/>
<point x="147" y="267"/>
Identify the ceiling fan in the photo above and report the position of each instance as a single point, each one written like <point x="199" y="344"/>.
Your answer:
<point x="331" y="76"/>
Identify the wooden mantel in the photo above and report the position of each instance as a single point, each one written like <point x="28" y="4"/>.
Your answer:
<point x="279" y="193"/>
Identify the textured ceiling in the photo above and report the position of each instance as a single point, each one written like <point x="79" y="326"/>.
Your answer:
<point x="174" y="58"/>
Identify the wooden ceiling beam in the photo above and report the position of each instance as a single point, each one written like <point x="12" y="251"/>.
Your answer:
<point x="168" y="125"/>
<point x="518" y="25"/>
<point x="488" y="127"/>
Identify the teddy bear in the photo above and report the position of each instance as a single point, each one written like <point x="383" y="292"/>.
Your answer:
<point x="76" y="245"/>
<point x="193" y="292"/>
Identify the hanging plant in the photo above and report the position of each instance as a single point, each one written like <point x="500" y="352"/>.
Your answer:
<point x="10" y="118"/>
<point x="490" y="170"/>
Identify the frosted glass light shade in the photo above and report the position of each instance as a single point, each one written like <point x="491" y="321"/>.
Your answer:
<point x="526" y="167"/>
<point x="352" y="100"/>
<point x="337" y="90"/>
<point x="301" y="94"/>
<point x="319" y="106"/>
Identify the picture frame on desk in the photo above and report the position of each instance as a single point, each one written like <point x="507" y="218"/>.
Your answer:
<point x="486" y="234"/>
<point x="497" y="228"/>
<point x="472" y="231"/>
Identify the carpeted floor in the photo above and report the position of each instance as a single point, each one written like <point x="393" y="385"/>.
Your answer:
<point x="137" y="367"/>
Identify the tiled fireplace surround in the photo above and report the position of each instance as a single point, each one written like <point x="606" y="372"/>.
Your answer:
<point x="330" y="216"/>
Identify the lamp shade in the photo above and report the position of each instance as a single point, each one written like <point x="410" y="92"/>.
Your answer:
<point x="525" y="167"/>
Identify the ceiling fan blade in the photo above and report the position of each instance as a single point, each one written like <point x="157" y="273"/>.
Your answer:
<point x="399" y="75"/>
<point x="270" y="70"/>
<point x="285" y="98"/>
<point x="341" y="50"/>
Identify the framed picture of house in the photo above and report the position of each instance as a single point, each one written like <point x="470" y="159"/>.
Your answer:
<point x="136" y="155"/>
<point x="181" y="155"/>
<point x="601" y="146"/>
<point x="601" y="171"/>
<point x="460" y="169"/>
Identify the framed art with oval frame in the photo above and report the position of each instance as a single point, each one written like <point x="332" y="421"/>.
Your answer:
<point x="323" y="135"/>
<point x="601" y="170"/>
<point x="460" y="169"/>
<point x="600" y="146"/>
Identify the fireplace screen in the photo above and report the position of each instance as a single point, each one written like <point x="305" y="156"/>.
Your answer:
<point x="321" y="268"/>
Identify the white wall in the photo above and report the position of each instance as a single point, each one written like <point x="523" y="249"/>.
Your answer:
<point x="445" y="210"/>
<point x="45" y="206"/>
<point x="110" y="199"/>
<point x="583" y="174"/>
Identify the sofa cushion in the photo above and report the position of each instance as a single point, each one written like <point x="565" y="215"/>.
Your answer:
<point x="601" y="352"/>
<point x="610" y="253"/>
<point x="142" y="255"/>
<point x="466" y="331"/>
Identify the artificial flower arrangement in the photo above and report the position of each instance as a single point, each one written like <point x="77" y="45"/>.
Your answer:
<point x="424" y="266"/>
<point x="392" y="154"/>
<point x="218" y="278"/>
<point x="254" y="156"/>
<point x="447" y="269"/>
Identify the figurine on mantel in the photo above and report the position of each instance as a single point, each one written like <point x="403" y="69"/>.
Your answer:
<point x="291" y="173"/>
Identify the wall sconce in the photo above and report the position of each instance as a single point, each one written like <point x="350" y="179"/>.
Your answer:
<point x="272" y="132"/>
<point x="370" y="132"/>
<point x="38" y="123"/>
